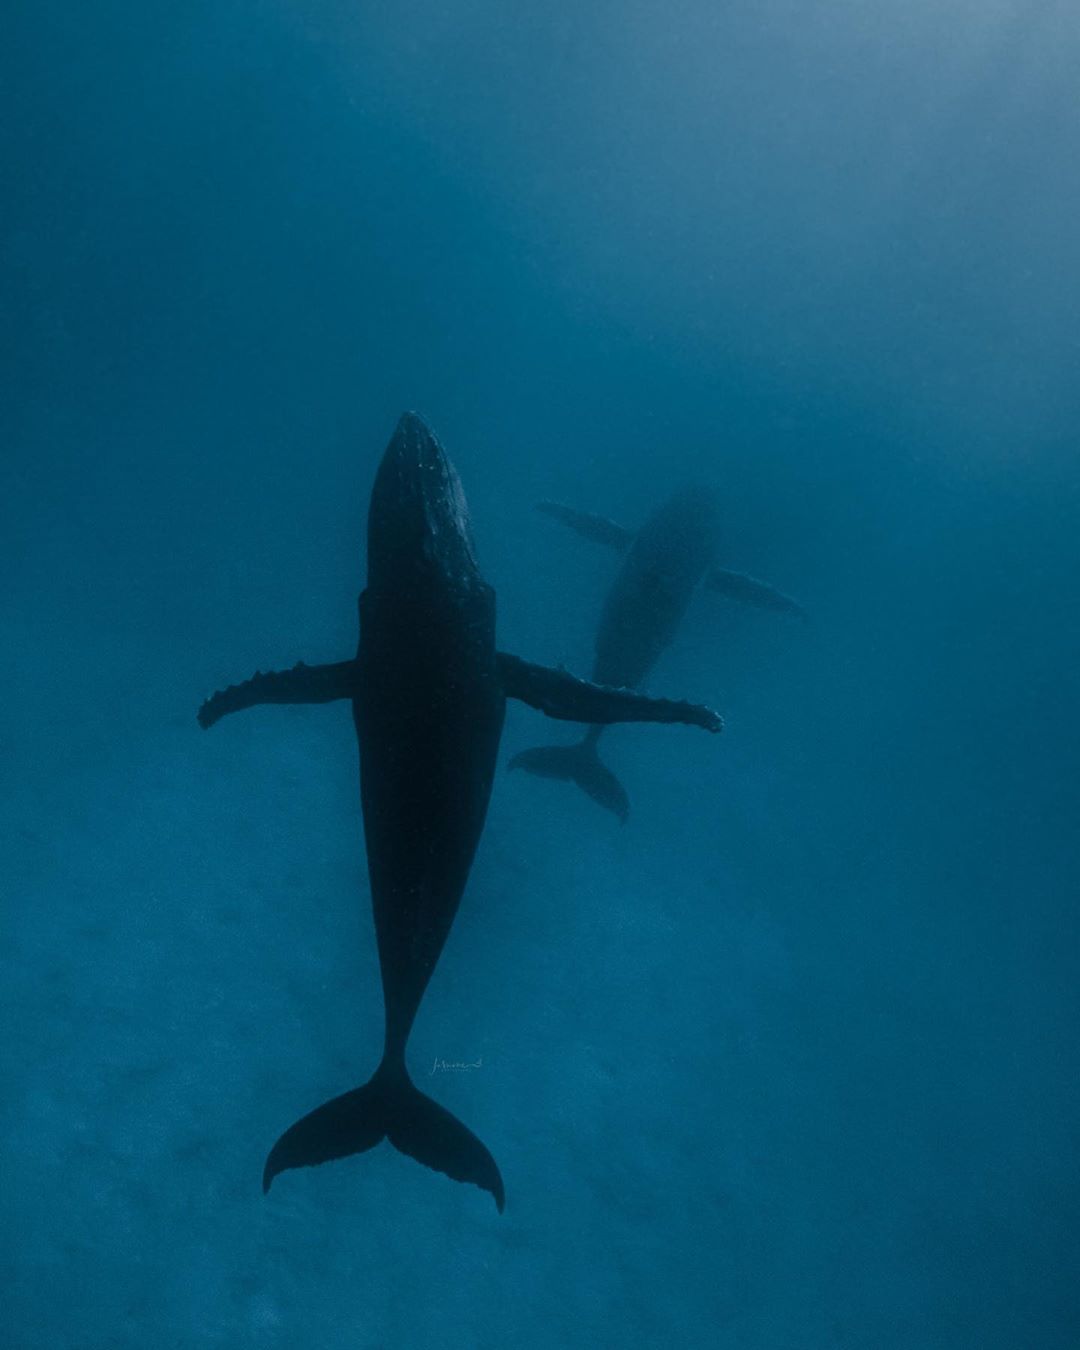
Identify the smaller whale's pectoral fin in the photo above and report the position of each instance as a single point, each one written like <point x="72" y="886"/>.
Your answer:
<point x="750" y="591"/>
<point x="301" y="684"/>
<point x="597" y="528"/>
<point x="561" y="695"/>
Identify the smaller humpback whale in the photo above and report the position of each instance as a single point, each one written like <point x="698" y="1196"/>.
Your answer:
<point x="428" y="691"/>
<point x="665" y="561"/>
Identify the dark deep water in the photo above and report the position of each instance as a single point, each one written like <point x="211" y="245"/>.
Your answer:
<point x="790" y="1061"/>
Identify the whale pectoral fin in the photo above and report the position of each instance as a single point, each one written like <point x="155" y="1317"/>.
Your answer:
<point x="597" y="528"/>
<point x="301" y="684"/>
<point x="561" y="695"/>
<point x="750" y="591"/>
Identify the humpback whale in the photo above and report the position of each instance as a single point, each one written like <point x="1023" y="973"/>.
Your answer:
<point x="665" y="561"/>
<point x="428" y="690"/>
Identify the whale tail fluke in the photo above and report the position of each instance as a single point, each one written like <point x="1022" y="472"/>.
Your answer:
<point x="580" y="764"/>
<point x="390" y="1107"/>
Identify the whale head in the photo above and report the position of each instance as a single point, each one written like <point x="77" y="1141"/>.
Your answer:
<point x="698" y="508"/>
<point x="419" y="538"/>
<point x="690" y="526"/>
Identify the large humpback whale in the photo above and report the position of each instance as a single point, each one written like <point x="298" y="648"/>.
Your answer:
<point x="665" y="561"/>
<point x="428" y="691"/>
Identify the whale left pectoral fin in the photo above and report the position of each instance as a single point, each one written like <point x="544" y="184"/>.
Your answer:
<point x="301" y="684"/>
<point x="750" y="591"/>
<point x="598" y="529"/>
<point x="559" y="694"/>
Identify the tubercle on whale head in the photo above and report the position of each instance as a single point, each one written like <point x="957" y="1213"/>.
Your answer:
<point x="419" y="536"/>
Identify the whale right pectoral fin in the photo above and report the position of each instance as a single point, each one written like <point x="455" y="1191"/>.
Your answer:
<point x="560" y="694"/>
<point x="301" y="684"/>
<point x="597" y="528"/>
<point x="750" y="591"/>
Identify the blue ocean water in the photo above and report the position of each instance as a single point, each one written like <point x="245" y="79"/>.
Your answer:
<point x="789" y="1061"/>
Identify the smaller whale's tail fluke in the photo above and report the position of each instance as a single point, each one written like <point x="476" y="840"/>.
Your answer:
<point x="390" y="1106"/>
<point x="580" y="764"/>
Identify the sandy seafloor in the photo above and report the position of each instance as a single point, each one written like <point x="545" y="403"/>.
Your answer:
<point x="788" y="1062"/>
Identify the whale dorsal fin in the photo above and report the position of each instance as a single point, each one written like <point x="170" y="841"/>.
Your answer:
<point x="597" y="528"/>
<point x="750" y="591"/>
